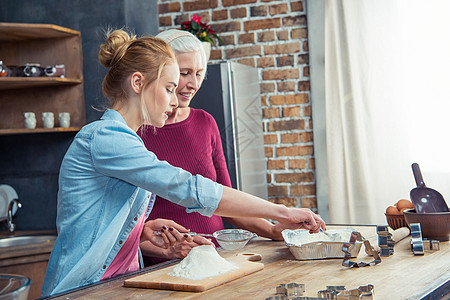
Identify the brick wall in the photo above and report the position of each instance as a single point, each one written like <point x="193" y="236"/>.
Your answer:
<point x="273" y="37"/>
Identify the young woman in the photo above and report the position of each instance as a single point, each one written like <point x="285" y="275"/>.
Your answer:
<point x="191" y="140"/>
<point x="108" y="178"/>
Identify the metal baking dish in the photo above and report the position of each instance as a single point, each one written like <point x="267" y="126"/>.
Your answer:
<point x="306" y="246"/>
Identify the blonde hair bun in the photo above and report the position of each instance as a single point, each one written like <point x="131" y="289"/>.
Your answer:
<point x="115" y="47"/>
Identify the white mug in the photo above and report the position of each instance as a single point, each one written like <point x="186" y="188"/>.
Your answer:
<point x="48" y="120"/>
<point x="30" y="120"/>
<point x="64" y="119"/>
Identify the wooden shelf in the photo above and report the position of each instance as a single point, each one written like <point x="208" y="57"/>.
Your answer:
<point x="38" y="130"/>
<point x="23" y="31"/>
<point x="8" y="83"/>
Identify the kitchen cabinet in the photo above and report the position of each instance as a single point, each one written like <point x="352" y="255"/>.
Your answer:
<point x="28" y="260"/>
<point x="47" y="45"/>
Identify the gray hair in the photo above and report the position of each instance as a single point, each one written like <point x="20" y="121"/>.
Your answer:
<point x="182" y="41"/>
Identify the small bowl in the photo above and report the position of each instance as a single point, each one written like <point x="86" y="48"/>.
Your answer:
<point x="233" y="239"/>
<point x="435" y="226"/>
<point x="14" y="287"/>
<point x="396" y="221"/>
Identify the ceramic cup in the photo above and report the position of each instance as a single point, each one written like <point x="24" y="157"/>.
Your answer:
<point x="30" y="120"/>
<point x="64" y="119"/>
<point x="48" y="120"/>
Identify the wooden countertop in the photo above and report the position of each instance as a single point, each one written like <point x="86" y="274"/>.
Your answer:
<point x="400" y="276"/>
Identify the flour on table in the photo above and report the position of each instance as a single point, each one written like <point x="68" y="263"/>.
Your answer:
<point x="202" y="262"/>
<point x="301" y="236"/>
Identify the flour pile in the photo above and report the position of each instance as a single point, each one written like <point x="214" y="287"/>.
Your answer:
<point x="202" y="262"/>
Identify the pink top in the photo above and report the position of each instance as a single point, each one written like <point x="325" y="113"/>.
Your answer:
<point x="127" y="259"/>
<point x="194" y="145"/>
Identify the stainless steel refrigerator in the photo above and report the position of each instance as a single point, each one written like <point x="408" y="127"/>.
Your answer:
<point x="230" y="93"/>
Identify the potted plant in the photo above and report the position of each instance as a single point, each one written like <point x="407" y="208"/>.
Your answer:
<point x="202" y="31"/>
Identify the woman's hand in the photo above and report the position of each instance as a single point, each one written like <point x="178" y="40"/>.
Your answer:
<point x="173" y="236"/>
<point x="303" y="218"/>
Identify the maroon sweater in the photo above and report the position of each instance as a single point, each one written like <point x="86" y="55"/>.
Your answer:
<point x="195" y="146"/>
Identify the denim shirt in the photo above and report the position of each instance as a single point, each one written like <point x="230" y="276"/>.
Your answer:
<point x="104" y="185"/>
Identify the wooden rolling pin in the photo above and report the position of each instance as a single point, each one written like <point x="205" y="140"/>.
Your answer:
<point x="397" y="235"/>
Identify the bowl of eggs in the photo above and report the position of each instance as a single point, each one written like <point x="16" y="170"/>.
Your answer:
<point x="394" y="213"/>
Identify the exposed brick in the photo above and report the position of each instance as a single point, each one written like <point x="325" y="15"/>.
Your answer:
<point x="266" y="62"/>
<point x="181" y="18"/>
<point x="262" y="24"/>
<point x="306" y="137"/>
<point x="226" y="27"/>
<point x="312" y="163"/>
<point x="285" y="125"/>
<point x="236" y="2"/>
<point x="286" y="86"/>
<point x="165" y="21"/>
<point x="294" y="151"/>
<point x="164" y="8"/>
<point x="297" y="6"/>
<point x="305" y="46"/>
<point x="309" y="202"/>
<point x="295" y="177"/>
<point x="277" y="190"/>
<point x="307" y="111"/>
<point x="304" y="86"/>
<point x="287" y="201"/>
<point x="247" y="38"/>
<point x="269" y="178"/>
<point x="303" y="190"/>
<point x="215" y="54"/>
<point x="272" y="112"/>
<point x="270" y="139"/>
<point x="238" y="13"/>
<point x="290" y="138"/>
<point x="264" y="100"/>
<point x="199" y="5"/>
<point x="268" y="151"/>
<point x="267" y="87"/>
<point x="297" y="163"/>
<point x="303" y="59"/>
<point x="243" y="51"/>
<point x="282" y="48"/>
<point x="278" y="9"/>
<point x="228" y="39"/>
<point x="278" y="100"/>
<point x="281" y="74"/>
<point x="266" y="36"/>
<point x="299" y="33"/>
<point x="247" y="61"/>
<point x="286" y="60"/>
<point x="295" y="111"/>
<point x="283" y="35"/>
<point x="258" y="11"/>
<point x="306" y="71"/>
<point x="276" y="164"/>
<point x="294" y="21"/>
<point x="297" y="99"/>
<point x="219" y="15"/>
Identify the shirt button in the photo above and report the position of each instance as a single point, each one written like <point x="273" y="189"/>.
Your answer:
<point x="148" y="196"/>
<point x="104" y="266"/>
<point x="120" y="242"/>
<point x="135" y="218"/>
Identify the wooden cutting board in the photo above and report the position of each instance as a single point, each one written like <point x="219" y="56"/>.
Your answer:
<point x="159" y="279"/>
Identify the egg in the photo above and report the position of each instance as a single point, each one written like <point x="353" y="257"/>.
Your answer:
<point x="404" y="204"/>
<point x="392" y="210"/>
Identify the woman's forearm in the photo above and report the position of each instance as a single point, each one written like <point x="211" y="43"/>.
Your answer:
<point x="260" y="226"/>
<point x="235" y="203"/>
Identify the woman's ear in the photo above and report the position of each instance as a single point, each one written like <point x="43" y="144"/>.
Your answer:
<point x="137" y="82"/>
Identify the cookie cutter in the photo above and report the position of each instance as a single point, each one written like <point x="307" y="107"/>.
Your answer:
<point x="291" y="289"/>
<point x="356" y="236"/>
<point x="340" y="293"/>
<point x="419" y="245"/>
<point x="385" y="241"/>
